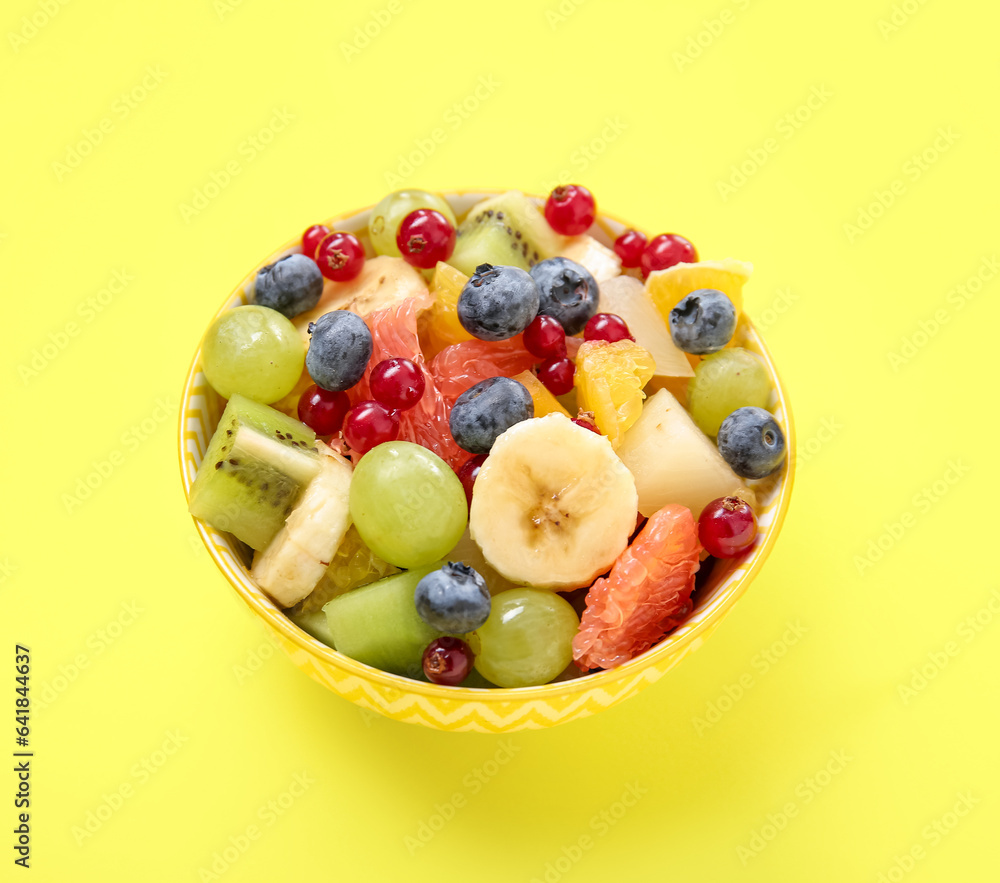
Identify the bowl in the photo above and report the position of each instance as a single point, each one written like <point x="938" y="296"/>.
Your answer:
<point x="459" y="708"/>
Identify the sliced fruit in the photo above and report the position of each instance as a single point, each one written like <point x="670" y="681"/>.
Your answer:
<point x="646" y="595"/>
<point x="256" y="465"/>
<point x="624" y="296"/>
<point x="602" y="263"/>
<point x="504" y="230"/>
<point x="313" y="623"/>
<point x="298" y="556"/>
<point x="672" y="460"/>
<point x="668" y="287"/>
<point x="463" y="365"/>
<point x="440" y="324"/>
<point x="545" y="402"/>
<point x="609" y="381"/>
<point x="552" y="506"/>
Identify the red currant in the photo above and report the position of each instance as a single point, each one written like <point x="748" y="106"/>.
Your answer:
<point x="312" y="238"/>
<point x="397" y="383"/>
<point x="368" y="424"/>
<point x="629" y="247"/>
<point x="606" y="326"/>
<point x="586" y="420"/>
<point x="340" y="257"/>
<point x="570" y="210"/>
<point x="545" y="337"/>
<point x="425" y="237"/>
<point x="323" y="411"/>
<point x="666" y="250"/>
<point x="468" y="472"/>
<point x="447" y="661"/>
<point x="727" y="527"/>
<point x="557" y="375"/>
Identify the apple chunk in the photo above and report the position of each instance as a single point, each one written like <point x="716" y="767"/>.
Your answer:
<point x="672" y="460"/>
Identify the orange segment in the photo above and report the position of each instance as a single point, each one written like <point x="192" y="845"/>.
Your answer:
<point x="609" y="381"/>
<point x="668" y="287"/>
<point x="545" y="402"/>
<point x="441" y="326"/>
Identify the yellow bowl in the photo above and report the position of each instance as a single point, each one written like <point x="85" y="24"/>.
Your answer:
<point x="458" y="708"/>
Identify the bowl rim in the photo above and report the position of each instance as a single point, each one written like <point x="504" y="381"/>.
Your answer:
<point x="675" y="643"/>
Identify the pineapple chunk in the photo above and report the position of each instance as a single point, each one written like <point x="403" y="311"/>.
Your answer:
<point x="599" y="260"/>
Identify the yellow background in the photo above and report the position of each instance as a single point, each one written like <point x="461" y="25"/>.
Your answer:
<point x="601" y="91"/>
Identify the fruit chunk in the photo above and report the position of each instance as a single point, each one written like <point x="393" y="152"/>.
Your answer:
<point x="505" y="230"/>
<point x="730" y="379"/>
<point x="599" y="260"/>
<point x="296" y="559"/>
<point x="256" y="464"/>
<point x="441" y="325"/>
<point x="646" y="595"/>
<point x="668" y="287"/>
<point x="313" y="623"/>
<point x="609" y="382"/>
<point x="672" y="460"/>
<point x="379" y="625"/>
<point x="463" y="365"/>
<point x="553" y="506"/>
<point x="545" y="402"/>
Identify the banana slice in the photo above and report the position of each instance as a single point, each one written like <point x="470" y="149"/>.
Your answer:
<point x="296" y="559"/>
<point x="553" y="506"/>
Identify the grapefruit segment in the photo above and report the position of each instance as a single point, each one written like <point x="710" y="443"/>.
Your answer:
<point x="462" y="365"/>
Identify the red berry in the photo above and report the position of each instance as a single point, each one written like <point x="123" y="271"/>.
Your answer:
<point x="545" y="337"/>
<point x="340" y="257"/>
<point x="323" y="411"/>
<point x="397" y="383"/>
<point x="666" y="250"/>
<point x="727" y="527"/>
<point x="447" y="661"/>
<point x="557" y="375"/>
<point x="570" y="210"/>
<point x="425" y="237"/>
<point x="368" y="424"/>
<point x="468" y="472"/>
<point x="629" y="247"/>
<point x="312" y="238"/>
<point x="586" y="420"/>
<point x="606" y="326"/>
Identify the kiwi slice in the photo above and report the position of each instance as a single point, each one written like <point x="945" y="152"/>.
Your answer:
<point x="504" y="230"/>
<point x="256" y="465"/>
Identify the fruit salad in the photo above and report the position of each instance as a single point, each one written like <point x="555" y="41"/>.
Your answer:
<point x="487" y="450"/>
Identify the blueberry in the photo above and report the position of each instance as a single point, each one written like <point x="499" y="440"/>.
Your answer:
<point x="751" y="442"/>
<point x="567" y="292"/>
<point x="340" y="346"/>
<point x="454" y="599"/>
<point x="703" y="322"/>
<point x="487" y="410"/>
<point x="497" y="302"/>
<point x="291" y="285"/>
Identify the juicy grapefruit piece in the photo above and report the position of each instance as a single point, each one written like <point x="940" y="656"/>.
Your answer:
<point x="646" y="595"/>
<point x="465" y="364"/>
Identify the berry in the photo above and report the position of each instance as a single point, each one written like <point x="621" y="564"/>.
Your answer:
<point x="291" y="285"/>
<point x="323" y="411"/>
<point x="557" y="375"/>
<point x="340" y="345"/>
<point x="497" y="303"/>
<point x="566" y="291"/>
<point x="483" y="413"/>
<point x="340" y="257"/>
<point x="727" y="527"/>
<point x="447" y="661"/>
<point x="312" y="238"/>
<point x="453" y="599"/>
<point x="545" y="337"/>
<point x="666" y="250"/>
<point x="424" y="238"/>
<point x="397" y="383"/>
<point x="468" y="473"/>
<point x="368" y="424"/>
<point x="607" y="326"/>
<point x="751" y="442"/>
<point x="629" y="247"/>
<point x="703" y="322"/>
<point x="570" y="210"/>
<point x="586" y="420"/>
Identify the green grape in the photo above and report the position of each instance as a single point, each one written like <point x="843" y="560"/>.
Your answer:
<point x="528" y="639"/>
<point x="407" y="504"/>
<point x="385" y="218"/>
<point x="254" y="351"/>
<point x="729" y="379"/>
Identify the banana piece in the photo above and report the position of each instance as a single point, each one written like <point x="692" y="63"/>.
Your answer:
<point x="553" y="505"/>
<point x="296" y="559"/>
